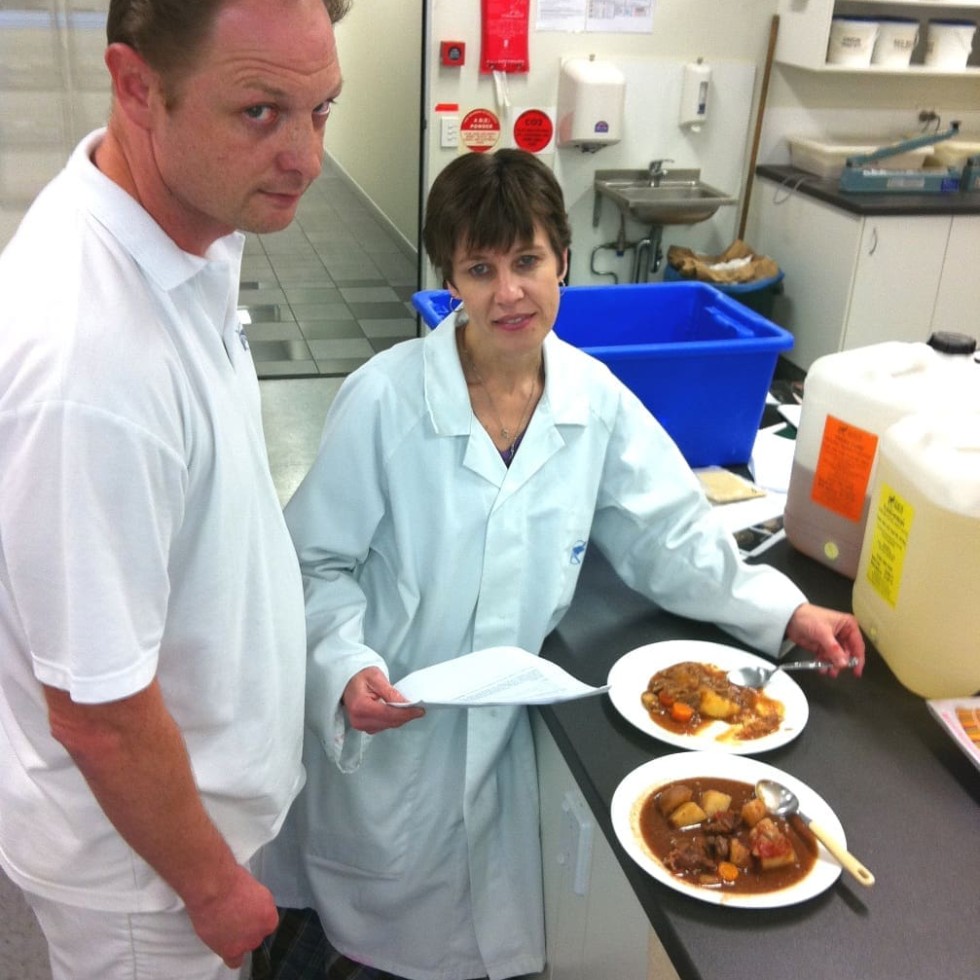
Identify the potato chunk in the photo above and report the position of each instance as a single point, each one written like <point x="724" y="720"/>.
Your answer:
<point x="672" y="797"/>
<point x="713" y="705"/>
<point x="753" y="811"/>
<point x="714" y="801"/>
<point x="687" y="814"/>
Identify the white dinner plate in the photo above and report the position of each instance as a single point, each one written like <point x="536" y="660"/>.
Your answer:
<point x="630" y="675"/>
<point x="649" y="777"/>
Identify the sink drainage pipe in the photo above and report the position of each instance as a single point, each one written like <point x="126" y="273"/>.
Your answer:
<point x="647" y="255"/>
<point x="619" y="247"/>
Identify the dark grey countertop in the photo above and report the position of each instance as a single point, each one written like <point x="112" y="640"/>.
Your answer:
<point x="952" y="203"/>
<point x="908" y="799"/>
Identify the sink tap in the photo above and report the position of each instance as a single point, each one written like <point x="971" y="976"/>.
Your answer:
<point x="657" y="172"/>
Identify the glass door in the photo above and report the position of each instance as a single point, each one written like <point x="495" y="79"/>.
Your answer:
<point x="54" y="88"/>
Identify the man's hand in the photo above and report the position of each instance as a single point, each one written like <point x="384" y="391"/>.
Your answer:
<point x="365" y="697"/>
<point x="236" y="918"/>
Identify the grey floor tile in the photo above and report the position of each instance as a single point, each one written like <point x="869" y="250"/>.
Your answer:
<point x="23" y="951"/>
<point x="266" y="312"/>
<point x="340" y="347"/>
<point x="297" y="284"/>
<point x="322" y="311"/>
<point x="342" y="271"/>
<point x="310" y="295"/>
<point x="383" y="343"/>
<point x="341" y="366"/>
<point x="394" y="327"/>
<point x="368" y="294"/>
<point x="261" y="296"/>
<point x="287" y="369"/>
<point x="280" y="350"/>
<point x="259" y="332"/>
<point x="378" y="311"/>
<point x="293" y="412"/>
<point x="330" y="329"/>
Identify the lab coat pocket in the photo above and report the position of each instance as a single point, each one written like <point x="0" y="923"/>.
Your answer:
<point x="362" y="821"/>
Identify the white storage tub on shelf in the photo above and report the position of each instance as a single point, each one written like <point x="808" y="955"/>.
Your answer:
<point x="826" y="157"/>
<point x="955" y="153"/>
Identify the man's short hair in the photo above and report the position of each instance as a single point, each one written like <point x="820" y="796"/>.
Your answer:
<point x="168" y="33"/>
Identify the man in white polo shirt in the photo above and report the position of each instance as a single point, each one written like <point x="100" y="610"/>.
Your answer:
<point x="152" y="641"/>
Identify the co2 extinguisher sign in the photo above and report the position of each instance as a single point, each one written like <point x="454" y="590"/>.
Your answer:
<point x="504" y="28"/>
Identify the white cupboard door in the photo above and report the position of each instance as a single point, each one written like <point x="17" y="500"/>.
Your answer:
<point x="900" y="264"/>
<point x="958" y="302"/>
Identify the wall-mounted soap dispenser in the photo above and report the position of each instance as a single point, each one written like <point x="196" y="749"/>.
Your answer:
<point x="694" y="95"/>
<point x="591" y="97"/>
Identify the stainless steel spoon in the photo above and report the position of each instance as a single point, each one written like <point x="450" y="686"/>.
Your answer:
<point x="761" y="676"/>
<point x="783" y="802"/>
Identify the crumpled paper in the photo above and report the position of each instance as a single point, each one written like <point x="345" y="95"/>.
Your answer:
<point x="738" y="263"/>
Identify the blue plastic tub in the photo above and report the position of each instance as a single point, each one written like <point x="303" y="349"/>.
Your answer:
<point x="698" y="360"/>
<point x="757" y="295"/>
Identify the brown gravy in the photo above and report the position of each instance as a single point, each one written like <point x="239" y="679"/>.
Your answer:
<point x="750" y="713"/>
<point x="662" y="839"/>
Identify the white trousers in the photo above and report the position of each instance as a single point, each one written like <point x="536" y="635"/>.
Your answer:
<point x="88" y="944"/>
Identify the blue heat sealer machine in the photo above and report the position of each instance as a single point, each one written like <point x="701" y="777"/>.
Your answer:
<point x="861" y="176"/>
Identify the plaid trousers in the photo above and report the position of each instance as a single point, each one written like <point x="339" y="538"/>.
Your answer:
<point x="299" y="950"/>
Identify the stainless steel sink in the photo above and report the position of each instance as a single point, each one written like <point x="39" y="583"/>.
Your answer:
<point x="679" y="197"/>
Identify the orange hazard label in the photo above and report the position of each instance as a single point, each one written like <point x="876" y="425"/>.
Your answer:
<point x="847" y="454"/>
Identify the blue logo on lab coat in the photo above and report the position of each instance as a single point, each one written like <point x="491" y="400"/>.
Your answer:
<point x="578" y="552"/>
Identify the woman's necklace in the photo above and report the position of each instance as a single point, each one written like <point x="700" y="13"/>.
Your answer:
<point x="505" y="432"/>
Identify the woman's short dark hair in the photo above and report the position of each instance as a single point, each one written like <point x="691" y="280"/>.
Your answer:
<point x="492" y="201"/>
<point x="168" y="33"/>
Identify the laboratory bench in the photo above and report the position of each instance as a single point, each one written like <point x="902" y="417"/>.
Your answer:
<point x="907" y="798"/>
<point x="870" y="204"/>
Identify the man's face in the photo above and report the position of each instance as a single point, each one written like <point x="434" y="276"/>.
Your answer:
<point x="243" y="137"/>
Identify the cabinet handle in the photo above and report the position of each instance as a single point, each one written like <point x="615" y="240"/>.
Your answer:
<point x="874" y="241"/>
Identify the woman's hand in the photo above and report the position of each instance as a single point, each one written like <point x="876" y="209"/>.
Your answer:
<point x="830" y="635"/>
<point x="365" y="699"/>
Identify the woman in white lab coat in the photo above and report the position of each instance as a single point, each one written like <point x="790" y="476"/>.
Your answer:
<point x="460" y="480"/>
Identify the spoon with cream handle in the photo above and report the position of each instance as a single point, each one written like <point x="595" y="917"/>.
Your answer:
<point x="783" y="802"/>
<point x="761" y="676"/>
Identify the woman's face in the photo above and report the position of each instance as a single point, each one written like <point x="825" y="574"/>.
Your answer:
<point x="511" y="298"/>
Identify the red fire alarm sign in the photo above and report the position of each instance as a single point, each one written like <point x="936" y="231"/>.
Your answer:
<point x="452" y="53"/>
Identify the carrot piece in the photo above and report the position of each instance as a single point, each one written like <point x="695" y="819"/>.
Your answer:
<point x="681" y="712"/>
<point x="665" y="698"/>
<point x="727" y="871"/>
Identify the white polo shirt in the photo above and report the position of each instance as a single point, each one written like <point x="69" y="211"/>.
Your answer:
<point x="140" y="534"/>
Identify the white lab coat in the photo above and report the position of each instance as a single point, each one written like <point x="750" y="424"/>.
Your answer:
<point x="420" y="845"/>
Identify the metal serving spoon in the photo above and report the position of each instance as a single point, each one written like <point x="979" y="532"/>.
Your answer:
<point x="783" y="802"/>
<point x="761" y="676"/>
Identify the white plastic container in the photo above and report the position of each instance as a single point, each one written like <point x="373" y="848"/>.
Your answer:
<point x="919" y="576"/>
<point x="897" y="38"/>
<point x="850" y="399"/>
<point x="826" y="157"/>
<point x="955" y="152"/>
<point x="852" y="41"/>
<point x="949" y="43"/>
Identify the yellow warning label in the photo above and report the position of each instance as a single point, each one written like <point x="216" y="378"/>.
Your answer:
<point x="847" y="453"/>
<point x="889" y="543"/>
